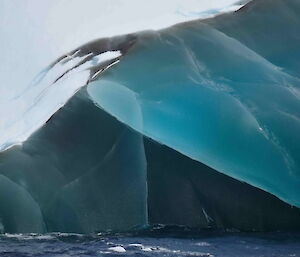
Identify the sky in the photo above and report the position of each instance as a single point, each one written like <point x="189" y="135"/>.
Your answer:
<point x="35" y="32"/>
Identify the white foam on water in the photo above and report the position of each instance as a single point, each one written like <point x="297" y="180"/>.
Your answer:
<point x="118" y="249"/>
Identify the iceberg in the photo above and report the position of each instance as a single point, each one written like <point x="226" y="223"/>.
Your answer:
<point x="216" y="97"/>
<point x="192" y="125"/>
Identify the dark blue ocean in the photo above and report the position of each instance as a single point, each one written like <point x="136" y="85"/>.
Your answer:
<point x="171" y="243"/>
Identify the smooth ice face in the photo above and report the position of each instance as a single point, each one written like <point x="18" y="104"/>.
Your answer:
<point x="19" y="211"/>
<point x="214" y="99"/>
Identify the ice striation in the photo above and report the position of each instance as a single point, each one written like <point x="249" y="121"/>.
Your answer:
<point x="52" y="87"/>
<point x="218" y="96"/>
<point x="193" y="125"/>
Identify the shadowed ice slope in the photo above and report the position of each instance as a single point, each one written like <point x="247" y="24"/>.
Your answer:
<point x="268" y="27"/>
<point x="83" y="170"/>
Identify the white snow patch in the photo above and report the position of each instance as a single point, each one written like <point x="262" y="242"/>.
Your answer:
<point x="109" y="55"/>
<point x="48" y="92"/>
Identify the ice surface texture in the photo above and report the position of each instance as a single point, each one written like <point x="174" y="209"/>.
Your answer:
<point x="148" y="140"/>
<point x="220" y="91"/>
<point x="84" y="172"/>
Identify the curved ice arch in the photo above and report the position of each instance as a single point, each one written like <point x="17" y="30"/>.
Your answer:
<point x="19" y="212"/>
<point x="213" y="99"/>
